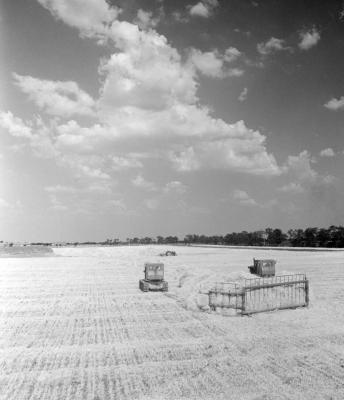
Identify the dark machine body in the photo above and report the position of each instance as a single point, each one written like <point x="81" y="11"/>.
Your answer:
<point x="154" y="278"/>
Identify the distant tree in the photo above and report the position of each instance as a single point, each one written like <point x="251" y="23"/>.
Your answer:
<point x="340" y="237"/>
<point x="171" y="239"/>
<point x="203" y="239"/>
<point x="229" y="239"/>
<point x="276" y="237"/>
<point x="216" y="239"/>
<point x="191" y="238"/>
<point x="336" y="236"/>
<point x="296" y="237"/>
<point x="243" y="238"/>
<point x="268" y="234"/>
<point x="322" y="238"/>
<point x="146" y="240"/>
<point x="310" y="237"/>
<point x="256" y="239"/>
<point x="160" y="239"/>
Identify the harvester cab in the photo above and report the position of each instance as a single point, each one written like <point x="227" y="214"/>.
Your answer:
<point x="263" y="268"/>
<point x="154" y="278"/>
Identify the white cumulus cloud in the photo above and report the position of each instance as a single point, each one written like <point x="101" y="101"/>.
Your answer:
<point x="213" y="64"/>
<point x="309" y="39"/>
<point x="125" y="162"/>
<point x="242" y="153"/>
<point x="327" y="152"/>
<point x="292" y="187"/>
<point x="300" y="166"/>
<point x="272" y="45"/>
<point x="175" y="187"/>
<point x="14" y="125"/>
<point x="243" y="95"/>
<point x="243" y="198"/>
<point x="335" y="104"/>
<point x="91" y="17"/>
<point x="146" y="20"/>
<point x="55" y="97"/>
<point x="148" y="92"/>
<point x="140" y="182"/>
<point x="231" y="54"/>
<point x="203" y="8"/>
<point x="300" y="169"/>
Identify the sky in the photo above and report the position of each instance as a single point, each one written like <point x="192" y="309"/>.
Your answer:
<point x="158" y="117"/>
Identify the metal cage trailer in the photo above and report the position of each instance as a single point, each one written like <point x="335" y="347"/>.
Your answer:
<point x="154" y="278"/>
<point x="261" y="294"/>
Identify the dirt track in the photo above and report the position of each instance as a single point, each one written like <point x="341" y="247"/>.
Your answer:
<point x="77" y="327"/>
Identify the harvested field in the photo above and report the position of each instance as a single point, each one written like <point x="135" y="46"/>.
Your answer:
<point x="25" y="251"/>
<point x="76" y="326"/>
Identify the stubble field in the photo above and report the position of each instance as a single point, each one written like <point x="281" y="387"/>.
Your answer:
<point x="76" y="326"/>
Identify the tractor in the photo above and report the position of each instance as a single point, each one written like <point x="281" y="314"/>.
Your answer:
<point x="154" y="278"/>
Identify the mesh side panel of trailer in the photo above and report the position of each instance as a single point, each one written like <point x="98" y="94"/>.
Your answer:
<point x="262" y="294"/>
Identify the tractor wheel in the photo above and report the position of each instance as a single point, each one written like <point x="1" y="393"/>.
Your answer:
<point x="143" y="286"/>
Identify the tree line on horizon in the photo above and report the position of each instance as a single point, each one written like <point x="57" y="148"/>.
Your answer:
<point x="309" y="237"/>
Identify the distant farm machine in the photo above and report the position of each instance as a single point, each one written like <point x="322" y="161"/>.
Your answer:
<point x="263" y="268"/>
<point x="154" y="278"/>
<point x="168" y="253"/>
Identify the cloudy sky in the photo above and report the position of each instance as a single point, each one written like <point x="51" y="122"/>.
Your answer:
<point x="131" y="118"/>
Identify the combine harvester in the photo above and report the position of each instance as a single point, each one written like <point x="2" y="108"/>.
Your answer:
<point x="265" y="292"/>
<point x="154" y="278"/>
